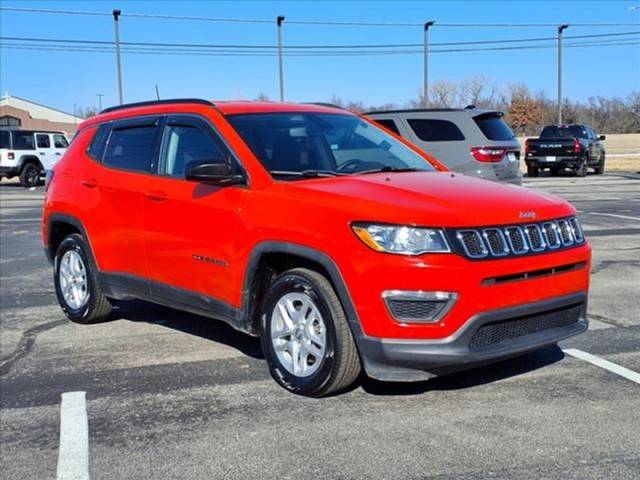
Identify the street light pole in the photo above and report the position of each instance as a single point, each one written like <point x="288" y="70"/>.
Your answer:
<point x="99" y="95"/>
<point x="116" y="16"/>
<point x="426" y="62"/>
<point x="561" y="29"/>
<point x="280" y="21"/>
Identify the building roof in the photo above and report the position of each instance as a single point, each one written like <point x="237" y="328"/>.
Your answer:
<point x="38" y="111"/>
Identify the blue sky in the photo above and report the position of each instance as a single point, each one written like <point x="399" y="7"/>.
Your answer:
<point x="61" y="79"/>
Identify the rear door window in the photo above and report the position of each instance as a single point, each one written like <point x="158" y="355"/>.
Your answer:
<point x="389" y="125"/>
<point x="132" y="146"/>
<point x="430" y="130"/>
<point x="493" y="127"/>
<point x="43" y="141"/>
<point x="23" y="141"/>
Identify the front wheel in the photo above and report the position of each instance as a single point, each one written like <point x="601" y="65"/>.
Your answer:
<point x="305" y="335"/>
<point x="76" y="283"/>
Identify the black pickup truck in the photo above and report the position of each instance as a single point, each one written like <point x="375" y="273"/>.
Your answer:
<point x="576" y="147"/>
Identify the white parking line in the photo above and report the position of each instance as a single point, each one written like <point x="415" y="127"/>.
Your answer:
<point x="73" y="456"/>
<point x="615" y="215"/>
<point x="602" y="363"/>
<point x="19" y="220"/>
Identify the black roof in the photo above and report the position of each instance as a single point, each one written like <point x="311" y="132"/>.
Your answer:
<point x="158" y="102"/>
<point x="4" y="129"/>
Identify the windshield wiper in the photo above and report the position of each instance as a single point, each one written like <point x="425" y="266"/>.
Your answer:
<point x="388" y="169"/>
<point x="306" y="173"/>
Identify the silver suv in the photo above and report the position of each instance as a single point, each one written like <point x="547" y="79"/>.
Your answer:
<point x="471" y="141"/>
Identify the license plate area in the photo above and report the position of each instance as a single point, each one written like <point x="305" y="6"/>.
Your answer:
<point x="550" y="158"/>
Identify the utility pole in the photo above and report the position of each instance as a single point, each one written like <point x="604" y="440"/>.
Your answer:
<point x="100" y="95"/>
<point x="280" y="21"/>
<point x="116" y="16"/>
<point x="561" y="29"/>
<point x="75" y="116"/>
<point x="426" y="62"/>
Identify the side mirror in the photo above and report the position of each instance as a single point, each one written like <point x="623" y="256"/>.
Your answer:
<point x="602" y="138"/>
<point x="213" y="174"/>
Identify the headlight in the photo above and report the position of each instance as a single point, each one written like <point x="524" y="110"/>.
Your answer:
<point x="401" y="239"/>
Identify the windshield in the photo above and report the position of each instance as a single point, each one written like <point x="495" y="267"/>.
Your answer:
<point x="573" y="131"/>
<point x="314" y="144"/>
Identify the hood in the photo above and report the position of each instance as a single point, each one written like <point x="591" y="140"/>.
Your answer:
<point x="431" y="199"/>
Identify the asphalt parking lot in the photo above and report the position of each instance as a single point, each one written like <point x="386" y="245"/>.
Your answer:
<point x="175" y="396"/>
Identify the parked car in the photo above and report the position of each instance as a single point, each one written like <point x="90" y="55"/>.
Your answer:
<point x="29" y="154"/>
<point x="343" y="247"/>
<point x="470" y="141"/>
<point x="576" y="147"/>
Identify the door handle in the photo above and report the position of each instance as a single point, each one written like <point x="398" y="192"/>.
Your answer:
<point x="58" y="153"/>
<point x="156" y="195"/>
<point x="89" y="182"/>
<point x="41" y="153"/>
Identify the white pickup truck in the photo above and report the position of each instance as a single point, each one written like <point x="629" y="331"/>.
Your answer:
<point x="29" y="154"/>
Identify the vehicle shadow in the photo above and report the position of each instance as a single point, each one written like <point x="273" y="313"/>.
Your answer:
<point x="469" y="378"/>
<point x="207" y="328"/>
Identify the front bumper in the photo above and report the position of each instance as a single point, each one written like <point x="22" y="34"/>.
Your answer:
<point x="549" y="321"/>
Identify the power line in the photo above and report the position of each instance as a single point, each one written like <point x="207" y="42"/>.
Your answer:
<point x="309" y="22"/>
<point x="262" y="53"/>
<point x="308" y="47"/>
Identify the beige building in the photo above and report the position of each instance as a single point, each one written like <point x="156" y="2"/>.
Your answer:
<point x="24" y="114"/>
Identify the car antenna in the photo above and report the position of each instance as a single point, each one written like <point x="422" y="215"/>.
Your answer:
<point x="157" y="92"/>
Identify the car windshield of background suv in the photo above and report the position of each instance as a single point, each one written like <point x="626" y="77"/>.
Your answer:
<point x="293" y="145"/>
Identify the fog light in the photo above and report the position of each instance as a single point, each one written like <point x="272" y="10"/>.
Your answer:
<point x="416" y="306"/>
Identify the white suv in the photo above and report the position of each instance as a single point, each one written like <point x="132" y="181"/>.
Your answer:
<point x="29" y="154"/>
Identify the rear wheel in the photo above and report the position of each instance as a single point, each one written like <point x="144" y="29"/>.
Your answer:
<point x="581" y="171"/>
<point x="599" y="169"/>
<point x="532" y="170"/>
<point x="76" y="283"/>
<point x="305" y="335"/>
<point x="30" y="175"/>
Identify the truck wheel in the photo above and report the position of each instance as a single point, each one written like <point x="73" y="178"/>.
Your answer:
<point x="30" y="175"/>
<point x="76" y="283"/>
<point x="600" y="168"/>
<point x="532" y="171"/>
<point x="581" y="171"/>
<point x="305" y="335"/>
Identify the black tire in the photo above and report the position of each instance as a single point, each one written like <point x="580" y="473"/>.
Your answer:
<point x="340" y="366"/>
<point x="97" y="308"/>
<point x="599" y="169"/>
<point x="581" y="171"/>
<point x="532" y="171"/>
<point x="30" y="175"/>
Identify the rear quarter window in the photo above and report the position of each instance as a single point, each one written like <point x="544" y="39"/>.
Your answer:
<point x="430" y="130"/>
<point x="494" y="128"/>
<point x="23" y="141"/>
<point x="5" y="139"/>
<point x="389" y="125"/>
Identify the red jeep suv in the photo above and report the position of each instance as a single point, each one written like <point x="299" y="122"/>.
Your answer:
<point x="343" y="246"/>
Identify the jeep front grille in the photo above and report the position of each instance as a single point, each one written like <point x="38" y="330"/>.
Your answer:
<point x="516" y="240"/>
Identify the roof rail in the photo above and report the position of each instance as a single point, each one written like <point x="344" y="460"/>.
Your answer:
<point x="409" y="110"/>
<point x="158" y="102"/>
<point x="325" y="104"/>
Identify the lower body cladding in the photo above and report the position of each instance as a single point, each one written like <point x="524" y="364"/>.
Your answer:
<point x="485" y="338"/>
